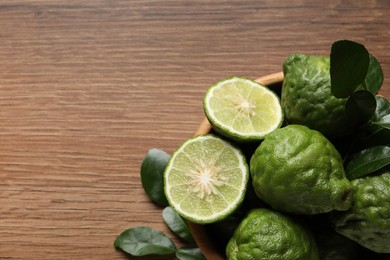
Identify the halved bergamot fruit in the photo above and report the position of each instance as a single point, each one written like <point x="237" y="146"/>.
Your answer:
<point x="205" y="179"/>
<point x="242" y="109"/>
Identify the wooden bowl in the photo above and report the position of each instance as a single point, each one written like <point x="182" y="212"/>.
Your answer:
<point x="203" y="240"/>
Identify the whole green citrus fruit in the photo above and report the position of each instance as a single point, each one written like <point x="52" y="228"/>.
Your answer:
<point x="298" y="170"/>
<point x="306" y="96"/>
<point x="368" y="219"/>
<point x="267" y="234"/>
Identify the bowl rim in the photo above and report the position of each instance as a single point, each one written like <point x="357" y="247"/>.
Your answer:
<point x="198" y="230"/>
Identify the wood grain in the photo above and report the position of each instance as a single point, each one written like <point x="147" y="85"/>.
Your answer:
<point x="88" y="87"/>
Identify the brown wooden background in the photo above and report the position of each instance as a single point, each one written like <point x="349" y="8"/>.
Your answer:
<point x="88" y="87"/>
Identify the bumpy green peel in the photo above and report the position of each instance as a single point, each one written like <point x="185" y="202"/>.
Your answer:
<point x="307" y="98"/>
<point x="267" y="234"/>
<point x="297" y="170"/>
<point x="368" y="220"/>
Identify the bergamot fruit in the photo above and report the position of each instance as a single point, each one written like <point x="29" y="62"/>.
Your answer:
<point x="306" y="96"/>
<point x="368" y="220"/>
<point x="242" y="109"/>
<point x="298" y="170"/>
<point x="206" y="179"/>
<point x="267" y="234"/>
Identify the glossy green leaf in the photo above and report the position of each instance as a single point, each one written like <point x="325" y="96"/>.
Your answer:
<point x="381" y="116"/>
<point x="384" y="122"/>
<point x="368" y="161"/>
<point x="360" y="107"/>
<point x="377" y="136"/>
<point x="349" y="62"/>
<point x="382" y="107"/>
<point x="186" y="253"/>
<point x="152" y="175"/>
<point x="177" y="224"/>
<point x="374" y="77"/>
<point x="140" y="241"/>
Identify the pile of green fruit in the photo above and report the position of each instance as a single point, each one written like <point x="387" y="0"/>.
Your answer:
<point x="300" y="174"/>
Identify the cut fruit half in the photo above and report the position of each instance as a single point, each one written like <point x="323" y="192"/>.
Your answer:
<point x="205" y="179"/>
<point x="242" y="109"/>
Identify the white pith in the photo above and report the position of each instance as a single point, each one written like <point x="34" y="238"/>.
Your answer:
<point x="244" y="106"/>
<point x="205" y="180"/>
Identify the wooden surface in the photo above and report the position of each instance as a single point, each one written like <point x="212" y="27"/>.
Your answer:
<point x="88" y="87"/>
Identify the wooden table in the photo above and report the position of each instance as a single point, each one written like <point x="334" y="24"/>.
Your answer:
<point x="88" y="87"/>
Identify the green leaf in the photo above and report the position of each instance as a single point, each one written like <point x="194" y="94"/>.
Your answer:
<point x="349" y="62"/>
<point x="374" y="77"/>
<point x="382" y="108"/>
<point x="368" y="161"/>
<point x="152" y="175"/>
<point x="381" y="116"/>
<point x="186" y="253"/>
<point x="140" y="241"/>
<point x="177" y="224"/>
<point x="360" y="107"/>
<point x="384" y="122"/>
<point x="378" y="136"/>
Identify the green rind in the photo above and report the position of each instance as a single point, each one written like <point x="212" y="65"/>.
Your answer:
<point x="367" y="220"/>
<point x="233" y="206"/>
<point x="297" y="170"/>
<point x="306" y="96"/>
<point x="268" y="234"/>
